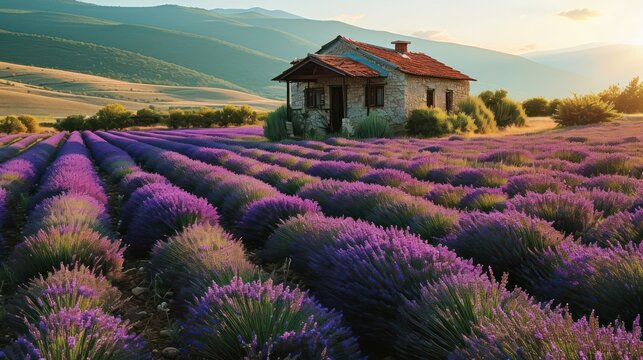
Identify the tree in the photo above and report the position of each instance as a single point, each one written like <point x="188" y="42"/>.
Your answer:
<point x="71" y="123"/>
<point x="30" y="123"/>
<point x="147" y="116"/>
<point x="492" y="98"/>
<point x="629" y="100"/>
<point x="114" y="116"/>
<point x="537" y="106"/>
<point x="12" y="125"/>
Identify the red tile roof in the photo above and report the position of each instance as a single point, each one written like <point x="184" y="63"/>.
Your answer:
<point x="347" y="65"/>
<point x="411" y="62"/>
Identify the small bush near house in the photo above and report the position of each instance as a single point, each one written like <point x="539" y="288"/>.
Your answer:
<point x="552" y="107"/>
<point x="12" y="125"/>
<point x="461" y="124"/>
<point x="483" y="117"/>
<point x="506" y="111"/>
<point x="584" y="110"/>
<point x="275" y="126"/>
<point x="538" y="106"/>
<point x="509" y="113"/>
<point x="426" y="122"/>
<point x="373" y="126"/>
<point x="30" y="123"/>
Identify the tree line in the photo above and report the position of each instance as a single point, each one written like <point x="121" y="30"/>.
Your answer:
<point x="117" y="117"/>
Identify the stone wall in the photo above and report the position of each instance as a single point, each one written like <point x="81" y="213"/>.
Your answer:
<point x="417" y="86"/>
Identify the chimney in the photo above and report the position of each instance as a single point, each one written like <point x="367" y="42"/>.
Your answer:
<point x="401" y="46"/>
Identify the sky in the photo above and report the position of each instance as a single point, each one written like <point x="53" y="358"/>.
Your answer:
<point x="513" y="26"/>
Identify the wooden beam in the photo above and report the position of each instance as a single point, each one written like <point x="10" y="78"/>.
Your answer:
<point x="288" y="101"/>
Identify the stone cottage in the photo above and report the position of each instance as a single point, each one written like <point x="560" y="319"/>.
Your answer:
<point x="347" y="80"/>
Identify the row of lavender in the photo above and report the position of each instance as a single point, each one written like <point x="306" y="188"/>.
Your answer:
<point x="239" y="311"/>
<point x="544" y="262"/>
<point x="373" y="275"/>
<point x="62" y="270"/>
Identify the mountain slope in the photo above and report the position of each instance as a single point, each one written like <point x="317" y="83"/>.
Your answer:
<point x="88" y="58"/>
<point x="279" y="14"/>
<point x="611" y="63"/>
<point x="247" y="68"/>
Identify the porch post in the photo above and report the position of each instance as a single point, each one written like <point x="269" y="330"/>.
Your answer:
<point x="288" y="101"/>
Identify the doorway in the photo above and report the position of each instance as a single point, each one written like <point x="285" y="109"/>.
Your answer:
<point x="336" y="108"/>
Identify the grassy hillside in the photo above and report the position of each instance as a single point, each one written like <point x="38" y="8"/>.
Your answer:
<point x="89" y="58"/>
<point x="55" y="93"/>
<point x="244" y="67"/>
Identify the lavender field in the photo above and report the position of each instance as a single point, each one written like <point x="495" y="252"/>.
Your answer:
<point x="216" y="244"/>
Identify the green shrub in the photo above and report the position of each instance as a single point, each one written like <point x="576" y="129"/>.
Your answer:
<point x="461" y="123"/>
<point x="538" y="106"/>
<point x="30" y="123"/>
<point x="235" y="116"/>
<point x="426" y="122"/>
<point x="275" y="126"/>
<point x="11" y="125"/>
<point x="148" y="116"/>
<point x="71" y="123"/>
<point x="552" y="107"/>
<point x="482" y="116"/>
<point x="373" y="126"/>
<point x="113" y="116"/>
<point x="509" y="113"/>
<point x="493" y="98"/>
<point x="583" y="110"/>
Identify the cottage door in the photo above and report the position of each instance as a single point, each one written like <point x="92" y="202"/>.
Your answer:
<point x="336" y="108"/>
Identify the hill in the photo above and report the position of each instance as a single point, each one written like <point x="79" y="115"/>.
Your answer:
<point x="259" y="11"/>
<point x="51" y="52"/>
<point x="249" y="48"/>
<point x="611" y="63"/>
<point x="241" y="66"/>
<point x="56" y="93"/>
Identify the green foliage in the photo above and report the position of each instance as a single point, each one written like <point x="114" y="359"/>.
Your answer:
<point x="506" y="111"/>
<point x="553" y="107"/>
<point x="30" y="123"/>
<point x="148" y="116"/>
<point x="493" y="98"/>
<point x="113" y="116"/>
<point x="100" y="60"/>
<point x="373" y="126"/>
<point x="208" y="117"/>
<point x="71" y="123"/>
<point x="12" y="125"/>
<point x="436" y="122"/>
<point x="461" y="123"/>
<point x="483" y="117"/>
<point x="583" y="110"/>
<point x="302" y="126"/>
<point x="538" y="106"/>
<point x="629" y="100"/>
<point x="275" y="127"/>
<point x="426" y="122"/>
<point x="509" y="113"/>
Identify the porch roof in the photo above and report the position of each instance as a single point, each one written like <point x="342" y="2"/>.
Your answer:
<point x="316" y="66"/>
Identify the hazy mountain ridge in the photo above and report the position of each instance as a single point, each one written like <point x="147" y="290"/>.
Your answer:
<point x="246" y="49"/>
<point x="610" y="63"/>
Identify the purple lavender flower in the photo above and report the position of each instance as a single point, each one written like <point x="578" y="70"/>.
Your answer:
<point x="165" y="214"/>
<point x="79" y="335"/>
<point x="66" y="287"/>
<point x="538" y="183"/>
<point x="69" y="245"/>
<point x="263" y="216"/>
<point x="261" y="319"/>
<point x="620" y="228"/>
<point x="484" y="199"/>
<point x="509" y="157"/>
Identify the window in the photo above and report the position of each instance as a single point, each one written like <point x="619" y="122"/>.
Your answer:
<point x="449" y="103"/>
<point x="315" y="98"/>
<point x="375" y="96"/>
<point x="430" y="98"/>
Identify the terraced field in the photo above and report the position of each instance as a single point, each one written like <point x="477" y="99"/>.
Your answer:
<point x="214" y="243"/>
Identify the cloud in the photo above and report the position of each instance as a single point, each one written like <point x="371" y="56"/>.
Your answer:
<point x="349" y="18"/>
<point x="579" y="14"/>
<point x="435" y="35"/>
